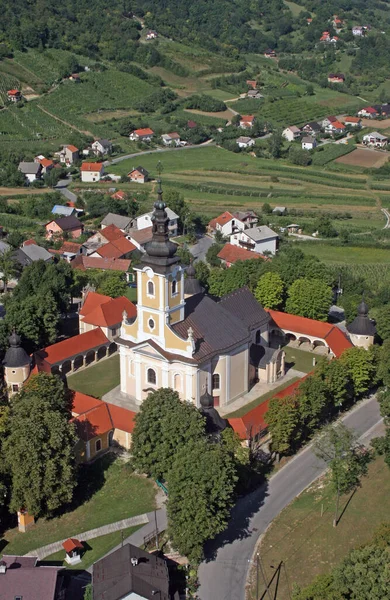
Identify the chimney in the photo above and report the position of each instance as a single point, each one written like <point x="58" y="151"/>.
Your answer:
<point x="3" y="567"/>
<point x="134" y="561"/>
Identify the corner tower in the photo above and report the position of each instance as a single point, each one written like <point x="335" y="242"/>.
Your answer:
<point x="17" y="365"/>
<point x="362" y="330"/>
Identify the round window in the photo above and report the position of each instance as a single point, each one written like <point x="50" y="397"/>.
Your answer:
<point x="151" y="324"/>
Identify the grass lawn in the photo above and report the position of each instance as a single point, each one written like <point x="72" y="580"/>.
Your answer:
<point x="108" y="492"/>
<point x="346" y="254"/>
<point x="94" y="549"/>
<point x="300" y="359"/>
<point x="244" y="409"/>
<point x="308" y="544"/>
<point x="98" y="379"/>
<point x="131" y="294"/>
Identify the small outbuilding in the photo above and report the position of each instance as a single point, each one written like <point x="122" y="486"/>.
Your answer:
<point x="73" y="549"/>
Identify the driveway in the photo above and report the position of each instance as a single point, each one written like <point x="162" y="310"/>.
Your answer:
<point x="199" y="250"/>
<point x="62" y="188"/>
<point x="223" y="575"/>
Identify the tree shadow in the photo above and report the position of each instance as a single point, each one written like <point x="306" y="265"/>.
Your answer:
<point x="238" y="526"/>
<point x="346" y="505"/>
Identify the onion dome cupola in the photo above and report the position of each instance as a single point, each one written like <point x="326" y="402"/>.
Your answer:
<point x="192" y="285"/>
<point x="362" y="330"/>
<point x="16" y="356"/>
<point x="214" y="422"/>
<point x="160" y="251"/>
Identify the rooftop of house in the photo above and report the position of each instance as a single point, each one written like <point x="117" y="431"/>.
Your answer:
<point x="221" y="219"/>
<point x="243" y="140"/>
<point x="141" y="236"/>
<point x="78" y="344"/>
<point x="376" y="135"/>
<point x="170" y="213"/>
<point x="59" y="209"/>
<point x="119" y="195"/>
<point x="313" y="125"/>
<point x="72" y="148"/>
<point x="72" y="544"/>
<point x="121" y="418"/>
<point x="144" y="131"/>
<point x="130" y="571"/>
<point x="352" y="120"/>
<point x="172" y="136"/>
<point x="103" y="142"/>
<point x="67" y="223"/>
<point x="117" y="248"/>
<point x="294" y="129"/>
<point x="32" y="253"/>
<point x="263" y="232"/>
<point x="247" y="118"/>
<point x="46" y="162"/>
<point x="104" y="311"/>
<point x="96" y="421"/>
<point x="119" y="221"/>
<point x="29" y="168"/>
<point x="141" y="170"/>
<point x="70" y="247"/>
<point x="308" y="139"/>
<point x="24" y="579"/>
<point x="232" y="254"/>
<point x="91" y="167"/>
<point x="105" y="264"/>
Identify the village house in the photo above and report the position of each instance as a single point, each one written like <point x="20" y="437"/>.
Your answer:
<point x="313" y="128"/>
<point x="151" y="35"/>
<point x="91" y="171"/>
<point x="352" y="122"/>
<point x="335" y="128"/>
<point x="170" y="139"/>
<point x="24" y="578"/>
<point x="121" y="222"/>
<point x="64" y="211"/>
<point x="101" y="147"/>
<point x="31" y="171"/>
<point x="69" y="225"/>
<point x="279" y="210"/>
<point x="230" y="254"/>
<point x="270" y="53"/>
<point x="358" y="30"/>
<point x="327" y="121"/>
<point x="46" y="164"/>
<point x="120" y="195"/>
<point x="369" y="112"/>
<point x="119" y="248"/>
<point x="337" y="23"/>
<point x="251" y="83"/>
<point x="257" y="239"/>
<point x="245" y="142"/>
<point x="142" y="135"/>
<point x="14" y="96"/>
<point x="104" y="312"/>
<point x="336" y="78"/>
<point x="145" y="221"/>
<point x="83" y="263"/>
<point x="375" y="139"/>
<point x="69" y="155"/>
<point x="247" y="121"/>
<point x="68" y="250"/>
<point x="30" y="253"/>
<point x="254" y="94"/>
<point x="248" y="217"/>
<point x="308" y="142"/>
<point x="139" y="175"/>
<point x="102" y="238"/>
<point x="292" y="133"/>
<point x="140" y="237"/>
<point x="226" y="223"/>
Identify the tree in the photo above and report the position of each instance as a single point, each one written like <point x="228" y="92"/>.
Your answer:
<point x="113" y="284"/>
<point x="383" y="322"/>
<point x="7" y="267"/>
<point x="176" y="202"/>
<point x="201" y="486"/>
<point x="163" y="426"/>
<point x="270" y="290"/>
<point x="336" y="380"/>
<point x="266" y="209"/>
<point x="202" y="272"/>
<point x="38" y="451"/>
<point x="310" y="89"/>
<point x="336" y="445"/>
<point x="309" y="298"/>
<point x="383" y="370"/>
<point x="325" y="228"/>
<point x="364" y="574"/>
<point x="275" y="144"/>
<point x="360" y="367"/>
<point x="36" y="318"/>
<point x="211" y="255"/>
<point x="313" y="401"/>
<point x="283" y="423"/>
<point x="298" y="156"/>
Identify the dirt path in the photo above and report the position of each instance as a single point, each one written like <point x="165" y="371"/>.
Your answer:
<point x="65" y="122"/>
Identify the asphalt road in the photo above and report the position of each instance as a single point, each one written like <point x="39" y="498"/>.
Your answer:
<point x="199" y="250"/>
<point x="223" y="575"/>
<point x="62" y="187"/>
<point x="114" y="161"/>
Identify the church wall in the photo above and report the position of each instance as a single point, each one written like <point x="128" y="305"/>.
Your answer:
<point x="156" y="318"/>
<point x="84" y="327"/>
<point x="147" y="300"/>
<point x="219" y="366"/>
<point x="238" y="374"/>
<point x="362" y="341"/>
<point x="172" y="340"/>
<point x="177" y="298"/>
<point x="16" y="376"/>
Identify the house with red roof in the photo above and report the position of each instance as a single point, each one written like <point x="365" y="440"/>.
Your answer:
<point x="230" y="254"/>
<point x="120" y="248"/>
<point x="369" y="112"/>
<point x="144" y="134"/>
<point x="335" y="128"/>
<point x="227" y="223"/>
<point x="336" y="78"/>
<point x="99" y="311"/>
<point x="353" y="122"/>
<point x="119" y="195"/>
<point x="247" y="121"/>
<point x="91" y="172"/>
<point x="83" y="263"/>
<point x="14" y="95"/>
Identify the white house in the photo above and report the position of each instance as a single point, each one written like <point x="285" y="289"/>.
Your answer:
<point x="369" y="112"/>
<point x="31" y="170"/>
<point x="258" y="239"/>
<point x="335" y="128"/>
<point x="292" y="133"/>
<point x="308" y="142"/>
<point x="375" y="139"/>
<point x="357" y="30"/>
<point x="144" y="221"/>
<point x="101" y="147"/>
<point x="227" y="223"/>
<point x="245" y="142"/>
<point x="170" y="139"/>
<point x="91" y="171"/>
<point x="142" y="135"/>
<point x="247" y="121"/>
<point x="151" y="35"/>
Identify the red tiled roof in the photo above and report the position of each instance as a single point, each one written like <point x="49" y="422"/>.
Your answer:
<point x="232" y="254"/>
<point x="72" y="544"/>
<point x="144" y="131"/>
<point x="174" y="135"/>
<point x="334" y="337"/>
<point x="105" y="264"/>
<point x="45" y="162"/>
<point x="117" y="248"/>
<point x="73" y="346"/>
<point x="338" y="125"/>
<point x="221" y="220"/>
<point x="30" y="242"/>
<point x="351" y="120"/>
<point x="94" y="422"/>
<point x="70" y="247"/>
<point x="72" y="148"/>
<point x="112" y="232"/>
<point x="331" y="119"/>
<point x="122" y="418"/>
<point x="370" y="109"/>
<point x="119" y="195"/>
<point x="104" y="311"/>
<point x="13" y="92"/>
<point x="91" y="167"/>
<point x="247" y="118"/>
<point x="82" y="403"/>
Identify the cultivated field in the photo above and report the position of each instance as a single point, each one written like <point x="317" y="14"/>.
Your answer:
<point x="362" y="157"/>
<point x="385" y="124"/>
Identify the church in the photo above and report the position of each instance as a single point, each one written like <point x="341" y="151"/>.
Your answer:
<point x="185" y="339"/>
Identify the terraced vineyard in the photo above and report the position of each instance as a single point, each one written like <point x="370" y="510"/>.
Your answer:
<point x="29" y="123"/>
<point x="7" y="82"/>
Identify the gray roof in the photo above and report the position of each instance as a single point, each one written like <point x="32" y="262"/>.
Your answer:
<point x="257" y="234"/>
<point x="308" y="140"/>
<point x="243" y="140"/>
<point x="117" y="220"/>
<point x="105" y="143"/>
<point x="25" y="580"/>
<point x="314" y="125"/>
<point x="171" y="215"/>
<point x="15" y="356"/>
<point x="261" y="356"/>
<point x="115" y="577"/>
<point x="34" y="252"/>
<point x="220" y="325"/>
<point x="362" y="325"/>
<point x="280" y="209"/>
<point x="377" y="135"/>
<point x="67" y="223"/>
<point x="29" y="168"/>
<point x="144" y="172"/>
<point x="59" y="209"/>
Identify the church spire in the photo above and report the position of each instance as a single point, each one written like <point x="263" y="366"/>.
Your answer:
<point x="160" y="251"/>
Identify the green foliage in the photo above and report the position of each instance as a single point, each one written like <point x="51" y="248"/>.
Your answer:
<point x="270" y="290"/>
<point x="7" y="267"/>
<point x="202" y="273"/>
<point x="163" y="427"/>
<point x="38" y="450"/>
<point x="298" y="156"/>
<point x="275" y="144"/>
<point x="309" y="298"/>
<point x="313" y="402"/>
<point x="205" y="103"/>
<point x="201" y="485"/>
<point x="114" y="285"/>
<point x="211" y="255"/>
<point x="88" y="593"/>
<point x="383" y="322"/>
<point x="325" y="227"/>
<point x="360" y="368"/>
<point x="364" y="574"/>
<point x="283" y="423"/>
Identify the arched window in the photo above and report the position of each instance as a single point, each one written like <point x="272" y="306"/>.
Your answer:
<point x="258" y="337"/>
<point x="174" y="287"/>
<point x="98" y="445"/>
<point x="152" y="376"/>
<point x="150" y="288"/>
<point x="177" y="382"/>
<point x="215" y="381"/>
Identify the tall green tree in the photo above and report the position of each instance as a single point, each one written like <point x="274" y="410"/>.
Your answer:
<point x="275" y="144"/>
<point x="113" y="285"/>
<point x="284" y="423"/>
<point x="337" y="381"/>
<point x="313" y="400"/>
<point x="163" y="426"/>
<point x="38" y="452"/>
<point x="7" y="267"/>
<point x="201" y="485"/>
<point x="270" y="290"/>
<point x="36" y="318"/>
<point x="337" y="446"/>
<point x="383" y="322"/>
<point x="309" y="298"/>
<point x="360" y="368"/>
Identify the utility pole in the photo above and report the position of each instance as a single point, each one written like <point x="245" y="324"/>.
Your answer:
<point x="336" y="516"/>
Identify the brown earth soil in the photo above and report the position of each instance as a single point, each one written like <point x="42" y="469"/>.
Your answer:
<point x="364" y="158"/>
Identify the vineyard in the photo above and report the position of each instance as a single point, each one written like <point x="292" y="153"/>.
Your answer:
<point x="30" y="123"/>
<point x="7" y="82"/>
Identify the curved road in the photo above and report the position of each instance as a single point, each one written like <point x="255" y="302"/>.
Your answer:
<point x="224" y="576"/>
<point x="114" y="161"/>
